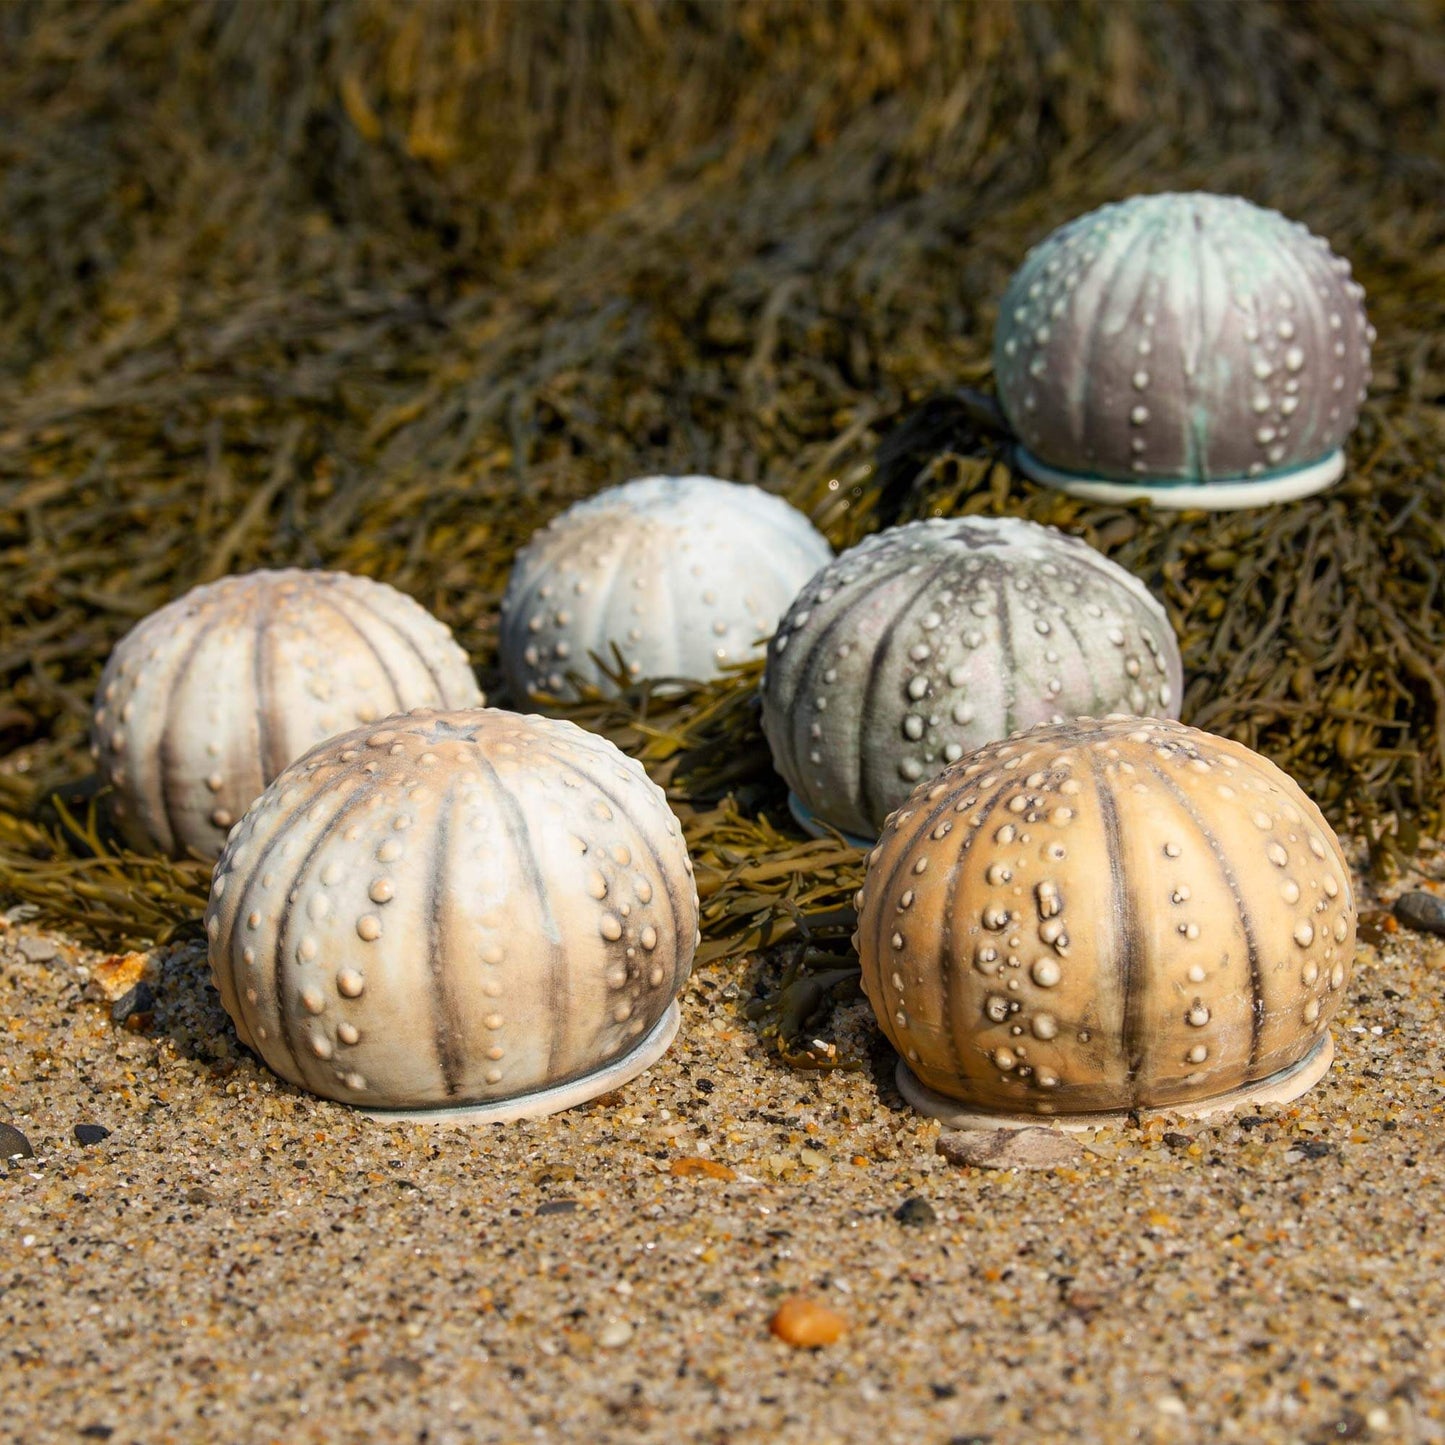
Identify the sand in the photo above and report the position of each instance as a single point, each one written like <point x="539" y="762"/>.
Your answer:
<point x="239" y="1261"/>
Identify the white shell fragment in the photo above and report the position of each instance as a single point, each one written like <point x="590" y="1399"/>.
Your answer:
<point x="1096" y="917"/>
<point x="926" y="641"/>
<point x="469" y="911"/>
<point x="206" y="700"/>
<point x="1194" y="349"/>
<point x="681" y="575"/>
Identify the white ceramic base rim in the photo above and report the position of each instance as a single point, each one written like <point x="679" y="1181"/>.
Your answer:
<point x="1279" y="1088"/>
<point x="1178" y="496"/>
<point x="808" y="821"/>
<point x="541" y="1102"/>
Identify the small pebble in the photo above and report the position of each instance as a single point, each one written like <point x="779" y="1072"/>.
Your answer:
<point x="137" y="1003"/>
<point x="1031" y="1148"/>
<point x="14" y="1144"/>
<point x="38" y="950"/>
<point x="1421" y="911"/>
<point x="806" y="1324"/>
<point x="558" y="1206"/>
<point x="112" y="978"/>
<point x="710" y="1168"/>
<point x="615" y="1334"/>
<point x="400" y="1365"/>
<point x="90" y="1133"/>
<point x="915" y="1211"/>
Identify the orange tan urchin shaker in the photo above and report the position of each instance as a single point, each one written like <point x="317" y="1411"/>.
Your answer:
<point x="1094" y="917"/>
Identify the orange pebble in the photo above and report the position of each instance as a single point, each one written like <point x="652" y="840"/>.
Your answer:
<point x="709" y="1167"/>
<point x="806" y="1324"/>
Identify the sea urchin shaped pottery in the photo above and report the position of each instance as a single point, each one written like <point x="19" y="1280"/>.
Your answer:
<point x="927" y="641"/>
<point x="206" y="700"/>
<point x="1193" y="349"/>
<point x="680" y="574"/>
<point x="1095" y="917"/>
<point x="457" y="913"/>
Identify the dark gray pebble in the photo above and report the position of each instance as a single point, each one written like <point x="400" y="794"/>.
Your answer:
<point x="90" y="1133"/>
<point x="139" y="1000"/>
<point x="1423" y="912"/>
<point x="400" y="1365"/>
<point x="558" y="1206"/>
<point x="14" y="1144"/>
<point x="916" y="1211"/>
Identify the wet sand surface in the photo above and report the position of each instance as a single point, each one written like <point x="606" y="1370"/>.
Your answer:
<point x="238" y="1261"/>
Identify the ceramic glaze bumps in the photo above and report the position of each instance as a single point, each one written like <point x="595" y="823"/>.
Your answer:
<point x="207" y="699"/>
<point x="469" y="912"/>
<point x="1095" y="917"/>
<point x="680" y="575"/>
<point x="1194" y="349"/>
<point x="926" y="641"/>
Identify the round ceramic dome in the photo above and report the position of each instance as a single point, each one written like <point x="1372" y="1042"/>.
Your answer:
<point x="206" y="700"/>
<point x="681" y="575"/>
<point x="1095" y="917"/>
<point x="452" y="913"/>
<point x="1196" y="350"/>
<point x="926" y="641"/>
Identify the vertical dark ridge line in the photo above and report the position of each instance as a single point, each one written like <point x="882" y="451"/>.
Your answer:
<point x="606" y="596"/>
<point x="1251" y="940"/>
<point x="673" y="905"/>
<point x="446" y="1018"/>
<point x="1107" y="571"/>
<point x="1318" y="405"/>
<point x="510" y="615"/>
<point x="283" y="925"/>
<point x="1196" y="431"/>
<point x="947" y="964"/>
<point x="1006" y="647"/>
<point x="1086" y="412"/>
<point x="1097" y="701"/>
<point x="243" y="907"/>
<point x="410" y="644"/>
<point x="370" y="646"/>
<point x="1126" y="930"/>
<point x="515" y="822"/>
<point x="939" y="810"/>
<point x="622" y="806"/>
<point x="845" y="598"/>
<point x="877" y="663"/>
<point x="261" y="677"/>
<point x="166" y="751"/>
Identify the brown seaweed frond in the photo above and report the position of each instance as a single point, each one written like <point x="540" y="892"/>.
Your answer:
<point x="384" y="287"/>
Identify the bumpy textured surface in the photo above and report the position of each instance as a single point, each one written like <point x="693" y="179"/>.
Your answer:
<point x="680" y="574"/>
<point x="458" y="908"/>
<point x="927" y="641"/>
<point x="1102" y="916"/>
<point x="206" y="700"/>
<point x="1182" y="338"/>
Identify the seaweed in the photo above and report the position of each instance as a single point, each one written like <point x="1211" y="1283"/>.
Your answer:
<point x="383" y="287"/>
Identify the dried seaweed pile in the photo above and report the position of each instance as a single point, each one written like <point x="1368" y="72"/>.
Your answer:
<point x="382" y="287"/>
